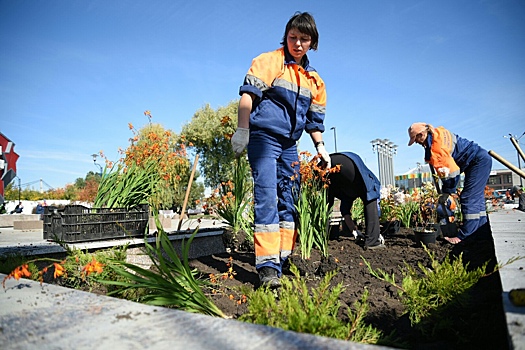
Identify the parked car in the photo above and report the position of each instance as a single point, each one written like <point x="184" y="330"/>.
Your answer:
<point x="499" y="194"/>
<point x="195" y="211"/>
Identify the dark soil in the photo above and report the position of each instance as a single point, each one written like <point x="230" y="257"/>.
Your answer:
<point x="480" y="324"/>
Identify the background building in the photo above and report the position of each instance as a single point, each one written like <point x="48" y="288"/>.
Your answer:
<point x="500" y="179"/>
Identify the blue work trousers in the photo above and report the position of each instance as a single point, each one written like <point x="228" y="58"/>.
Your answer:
<point x="275" y="170"/>
<point x="472" y="197"/>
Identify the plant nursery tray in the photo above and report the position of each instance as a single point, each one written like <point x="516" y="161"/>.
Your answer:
<point x="77" y="223"/>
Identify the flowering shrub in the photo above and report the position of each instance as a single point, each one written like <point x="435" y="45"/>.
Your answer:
<point x="76" y="270"/>
<point x="152" y="169"/>
<point x="312" y="204"/>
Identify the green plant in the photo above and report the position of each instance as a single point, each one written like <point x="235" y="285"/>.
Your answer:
<point x="127" y="187"/>
<point x="315" y="311"/>
<point x="171" y="282"/>
<point x="312" y="206"/>
<point x="428" y="200"/>
<point x="235" y="205"/>
<point x="73" y="271"/>
<point x="407" y="211"/>
<point x="100" y="261"/>
<point x="358" y="211"/>
<point x="428" y="293"/>
<point x="388" y="208"/>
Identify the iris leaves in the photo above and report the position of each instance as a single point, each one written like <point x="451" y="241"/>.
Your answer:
<point x="170" y="282"/>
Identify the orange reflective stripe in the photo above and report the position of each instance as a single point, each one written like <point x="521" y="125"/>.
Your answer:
<point x="287" y="239"/>
<point x="267" y="243"/>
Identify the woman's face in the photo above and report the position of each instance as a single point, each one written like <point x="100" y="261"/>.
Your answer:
<point x="421" y="137"/>
<point x="298" y="44"/>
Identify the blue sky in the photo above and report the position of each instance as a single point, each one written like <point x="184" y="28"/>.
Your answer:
<point x="73" y="74"/>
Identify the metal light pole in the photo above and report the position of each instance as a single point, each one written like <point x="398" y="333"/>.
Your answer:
<point x="419" y="176"/>
<point x="517" y="139"/>
<point x="335" y="138"/>
<point x="386" y="150"/>
<point x="94" y="155"/>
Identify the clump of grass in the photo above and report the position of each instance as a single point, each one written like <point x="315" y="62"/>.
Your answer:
<point x="296" y="308"/>
<point x="428" y="293"/>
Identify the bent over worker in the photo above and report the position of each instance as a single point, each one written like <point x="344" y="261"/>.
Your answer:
<point x="354" y="180"/>
<point x="282" y="96"/>
<point x="451" y="155"/>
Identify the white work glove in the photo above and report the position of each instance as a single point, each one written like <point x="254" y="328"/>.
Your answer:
<point x="240" y="140"/>
<point x="324" y="155"/>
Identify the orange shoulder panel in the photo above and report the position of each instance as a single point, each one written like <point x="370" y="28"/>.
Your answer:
<point x="441" y="153"/>
<point x="268" y="66"/>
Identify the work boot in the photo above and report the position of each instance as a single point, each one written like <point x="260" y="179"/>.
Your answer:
<point x="376" y="247"/>
<point x="269" y="277"/>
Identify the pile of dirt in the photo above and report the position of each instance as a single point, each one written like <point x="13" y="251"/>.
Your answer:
<point x="481" y="324"/>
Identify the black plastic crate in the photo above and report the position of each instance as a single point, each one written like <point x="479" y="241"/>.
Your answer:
<point x="77" y="223"/>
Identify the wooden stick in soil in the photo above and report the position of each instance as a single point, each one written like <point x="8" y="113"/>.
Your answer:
<point x="188" y="192"/>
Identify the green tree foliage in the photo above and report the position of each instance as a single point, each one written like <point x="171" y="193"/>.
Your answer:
<point x="209" y="133"/>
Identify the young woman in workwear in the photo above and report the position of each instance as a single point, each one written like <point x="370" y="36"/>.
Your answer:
<point x="282" y="96"/>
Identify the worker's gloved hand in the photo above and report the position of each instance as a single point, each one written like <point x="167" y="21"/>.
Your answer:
<point x="443" y="198"/>
<point x="321" y="150"/>
<point x="240" y="140"/>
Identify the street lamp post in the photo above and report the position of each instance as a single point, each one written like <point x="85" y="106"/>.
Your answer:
<point x="386" y="150"/>
<point x="419" y="176"/>
<point x="517" y="139"/>
<point x="94" y="155"/>
<point x="335" y="138"/>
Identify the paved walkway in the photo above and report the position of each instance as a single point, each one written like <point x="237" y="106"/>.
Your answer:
<point x="52" y="317"/>
<point x="508" y="230"/>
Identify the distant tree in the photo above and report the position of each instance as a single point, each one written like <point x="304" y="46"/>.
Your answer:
<point x="208" y="134"/>
<point x="82" y="190"/>
<point x="89" y="191"/>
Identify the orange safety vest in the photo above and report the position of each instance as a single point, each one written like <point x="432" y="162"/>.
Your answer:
<point x="443" y="144"/>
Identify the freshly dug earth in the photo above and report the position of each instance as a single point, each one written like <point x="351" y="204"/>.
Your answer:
<point x="480" y="325"/>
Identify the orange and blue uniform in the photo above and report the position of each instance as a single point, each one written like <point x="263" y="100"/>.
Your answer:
<point x="289" y="99"/>
<point x="451" y="155"/>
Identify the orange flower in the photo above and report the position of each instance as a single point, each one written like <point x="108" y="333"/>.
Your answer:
<point x="59" y="270"/>
<point x="20" y="271"/>
<point x="130" y="126"/>
<point x="93" y="266"/>
<point x="225" y="120"/>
